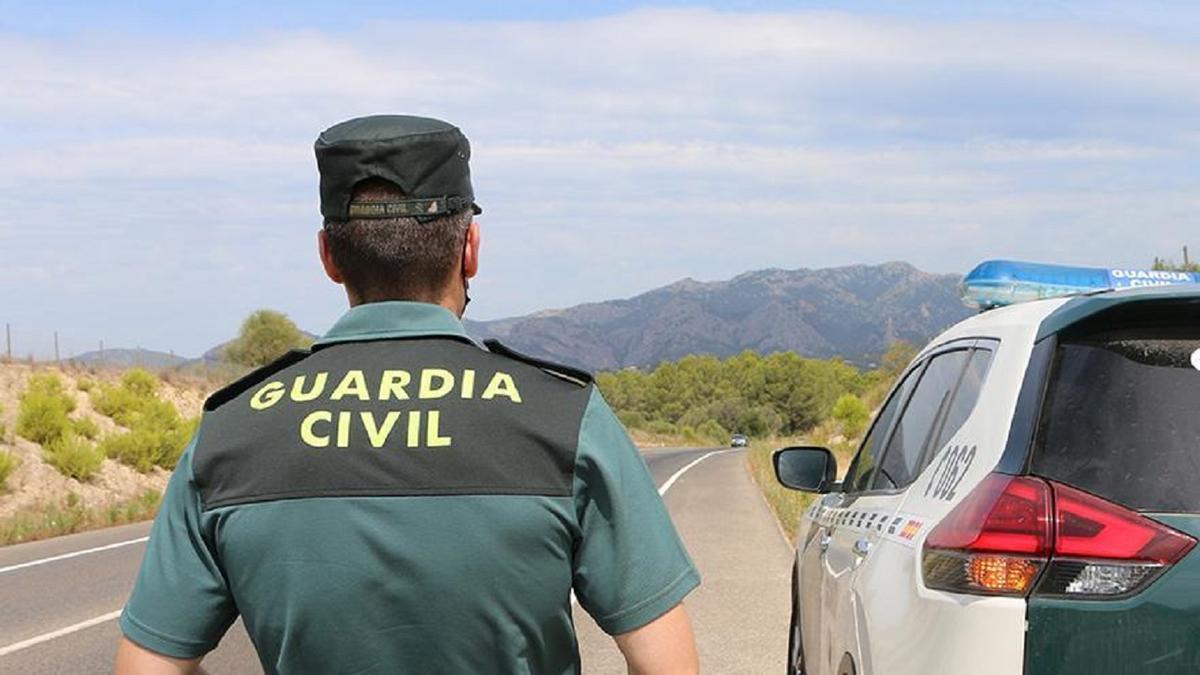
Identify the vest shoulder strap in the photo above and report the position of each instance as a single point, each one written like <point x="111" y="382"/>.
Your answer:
<point x="236" y="388"/>
<point x="568" y="373"/>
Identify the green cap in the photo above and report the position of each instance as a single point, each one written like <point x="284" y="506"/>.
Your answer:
<point x="426" y="158"/>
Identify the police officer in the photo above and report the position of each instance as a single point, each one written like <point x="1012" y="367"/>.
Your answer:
<point x="398" y="499"/>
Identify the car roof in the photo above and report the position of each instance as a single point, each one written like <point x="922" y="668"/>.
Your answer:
<point x="1081" y="307"/>
<point x="1052" y="315"/>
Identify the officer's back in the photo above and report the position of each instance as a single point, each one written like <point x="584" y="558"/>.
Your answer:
<point x="397" y="498"/>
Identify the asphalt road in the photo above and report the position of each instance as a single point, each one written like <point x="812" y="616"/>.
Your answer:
<point x="60" y="597"/>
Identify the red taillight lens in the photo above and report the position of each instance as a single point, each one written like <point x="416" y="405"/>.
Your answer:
<point x="1004" y="514"/>
<point x="1089" y="527"/>
<point x="1010" y="528"/>
<point x="994" y="542"/>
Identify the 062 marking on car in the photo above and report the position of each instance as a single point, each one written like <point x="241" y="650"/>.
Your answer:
<point x="950" y="471"/>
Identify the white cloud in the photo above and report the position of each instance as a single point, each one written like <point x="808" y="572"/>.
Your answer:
<point x="611" y="154"/>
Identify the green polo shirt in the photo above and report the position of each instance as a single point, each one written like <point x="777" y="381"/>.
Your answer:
<point x="402" y="501"/>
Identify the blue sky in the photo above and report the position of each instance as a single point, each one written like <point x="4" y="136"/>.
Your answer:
<point x="158" y="181"/>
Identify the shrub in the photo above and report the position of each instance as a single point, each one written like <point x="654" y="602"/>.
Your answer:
<point x="8" y="463"/>
<point x="851" y="415"/>
<point x="85" y="385"/>
<point x="73" y="456"/>
<point x="711" y="430"/>
<point x="44" y="409"/>
<point x="86" y="427"/>
<point x="157" y="434"/>
<point x="141" y="382"/>
<point x="660" y="427"/>
<point x="125" y="401"/>
<point x="150" y="444"/>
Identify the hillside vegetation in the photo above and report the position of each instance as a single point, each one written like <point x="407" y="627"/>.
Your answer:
<point x="85" y="446"/>
<point x="777" y="400"/>
<point x="82" y="448"/>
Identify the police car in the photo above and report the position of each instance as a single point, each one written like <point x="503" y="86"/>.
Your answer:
<point x="1027" y="500"/>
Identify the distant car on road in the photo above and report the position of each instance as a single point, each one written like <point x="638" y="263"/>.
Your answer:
<point x="739" y="441"/>
<point x="1026" y="501"/>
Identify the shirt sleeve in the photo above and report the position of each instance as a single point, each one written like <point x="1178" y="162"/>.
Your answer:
<point x="181" y="605"/>
<point x="630" y="565"/>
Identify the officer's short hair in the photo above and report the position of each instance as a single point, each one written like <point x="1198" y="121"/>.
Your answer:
<point x="396" y="258"/>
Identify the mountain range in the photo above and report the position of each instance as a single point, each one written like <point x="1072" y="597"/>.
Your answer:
<point x="853" y="312"/>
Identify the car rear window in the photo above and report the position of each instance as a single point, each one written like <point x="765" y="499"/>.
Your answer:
<point x="1122" y="417"/>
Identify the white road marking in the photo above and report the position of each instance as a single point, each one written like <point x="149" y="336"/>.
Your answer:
<point x="46" y="637"/>
<point x="675" y="476"/>
<point x="73" y="554"/>
<point x="104" y="618"/>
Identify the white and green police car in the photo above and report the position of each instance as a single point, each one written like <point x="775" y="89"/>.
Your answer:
<point x="1027" y="500"/>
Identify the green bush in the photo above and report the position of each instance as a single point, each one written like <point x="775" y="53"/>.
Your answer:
<point x="8" y="463"/>
<point x="85" y="385"/>
<point x="126" y="400"/>
<point x="86" y="427"/>
<point x="150" y="444"/>
<point x="661" y="427"/>
<point x="141" y="382"/>
<point x="711" y="430"/>
<point x="851" y="414"/>
<point x="44" y="408"/>
<point x="157" y="434"/>
<point x="73" y="456"/>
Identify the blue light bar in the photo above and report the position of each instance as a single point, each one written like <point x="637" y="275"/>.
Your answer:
<point x="997" y="283"/>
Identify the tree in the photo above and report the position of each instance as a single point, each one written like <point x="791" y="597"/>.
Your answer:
<point x="265" y="336"/>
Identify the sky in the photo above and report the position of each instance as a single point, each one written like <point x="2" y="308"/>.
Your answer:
<point x="158" y="182"/>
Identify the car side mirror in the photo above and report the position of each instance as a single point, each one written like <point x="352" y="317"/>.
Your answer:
<point x="806" y="468"/>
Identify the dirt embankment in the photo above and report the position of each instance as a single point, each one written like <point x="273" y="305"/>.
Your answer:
<point x="34" y="483"/>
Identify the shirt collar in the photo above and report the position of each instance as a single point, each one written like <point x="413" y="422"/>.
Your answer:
<point x="394" y="319"/>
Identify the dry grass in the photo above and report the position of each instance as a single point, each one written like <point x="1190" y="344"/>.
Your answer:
<point x="70" y="515"/>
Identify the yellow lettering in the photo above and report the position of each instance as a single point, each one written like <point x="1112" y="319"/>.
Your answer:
<point x="379" y="434"/>
<point x="414" y="429"/>
<point x="306" y="428"/>
<point x="392" y="384"/>
<point x="343" y="430"/>
<point x="445" y="383"/>
<point x="468" y="384"/>
<point x="502" y="384"/>
<point x="354" y="383"/>
<point x="432" y="438"/>
<point x="268" y="396"/>
<point x="318" y="387"/>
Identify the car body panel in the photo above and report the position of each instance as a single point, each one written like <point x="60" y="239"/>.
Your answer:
<point x="1155" y="631"/>
<point x="877" y="608"/>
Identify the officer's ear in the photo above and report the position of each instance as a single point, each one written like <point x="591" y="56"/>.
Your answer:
<point x="331" y="268"/>
<point x="470" y="261"/>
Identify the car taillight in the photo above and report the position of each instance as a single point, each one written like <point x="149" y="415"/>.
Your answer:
<point x="1014" y="535"/>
